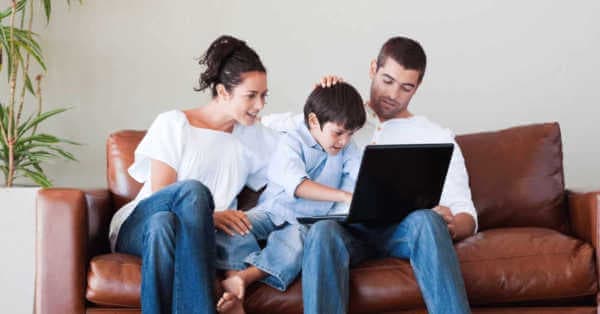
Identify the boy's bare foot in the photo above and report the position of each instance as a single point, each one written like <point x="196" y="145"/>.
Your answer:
<point x="232" y="299"/>
<point x="230" y="304"/>
<point x="234" y="285"/>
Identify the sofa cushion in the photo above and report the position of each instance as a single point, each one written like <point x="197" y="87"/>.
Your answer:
<point x="500" y="266"/>
<point x="516" y="176"/>
<point x="114" y="279"/>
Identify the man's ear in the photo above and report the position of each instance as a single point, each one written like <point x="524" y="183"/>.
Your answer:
<point x="372" y="68"/>
<point x="222" y="92"/>
<point x="313" y="121"/>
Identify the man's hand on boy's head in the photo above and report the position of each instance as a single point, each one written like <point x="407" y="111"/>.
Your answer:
<point x="328" y="81"/>
<point x="448" y="218"/>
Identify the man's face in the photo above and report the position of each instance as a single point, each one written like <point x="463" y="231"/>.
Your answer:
<point x="392" y="87"/>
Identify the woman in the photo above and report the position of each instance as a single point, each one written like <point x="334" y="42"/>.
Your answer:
<point x="193" y="163"/>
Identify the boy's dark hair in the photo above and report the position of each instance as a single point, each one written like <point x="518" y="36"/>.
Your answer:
<point x="225" y="61"/>
<point x="407" y="52"/>
<point x="340" y="103"/>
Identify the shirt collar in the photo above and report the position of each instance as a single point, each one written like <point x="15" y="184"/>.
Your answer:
<point x="374" y="120"/>
<point x="306" y="137"/>
<point x="371" y="115"/>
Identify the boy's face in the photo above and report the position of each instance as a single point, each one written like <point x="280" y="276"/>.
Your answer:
<point x="332" y="137"/>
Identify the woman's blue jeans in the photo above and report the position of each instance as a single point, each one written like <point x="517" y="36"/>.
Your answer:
<point x="172" y="231"/>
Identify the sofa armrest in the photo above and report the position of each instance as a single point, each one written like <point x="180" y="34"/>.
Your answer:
<point x="61" y="251"/>
<point x="584" y="211"/>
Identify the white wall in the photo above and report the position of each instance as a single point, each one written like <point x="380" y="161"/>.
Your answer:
<point x="492" y="64"/>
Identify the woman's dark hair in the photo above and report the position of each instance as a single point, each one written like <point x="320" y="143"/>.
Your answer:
<point x="340" y="103"/>
<point x="225" y="61"/>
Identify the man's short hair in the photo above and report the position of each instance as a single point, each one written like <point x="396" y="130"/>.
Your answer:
<point x="340" y="103"/>
<point x="406" y="52"/>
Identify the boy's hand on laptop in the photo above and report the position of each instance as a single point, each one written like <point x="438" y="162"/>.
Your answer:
<point x="328" y="81"/>
<point x="448" y="218"/>
<point x="232" y="222"/>
<point x="347" y="197"/>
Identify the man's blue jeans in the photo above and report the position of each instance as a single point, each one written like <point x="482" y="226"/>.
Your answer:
<point x="422" y="237"/>
<point x="281" y="258"/>
<point x="172" y="231"/>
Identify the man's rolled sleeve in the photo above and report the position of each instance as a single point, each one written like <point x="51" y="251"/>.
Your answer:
<point x="287" y="167"/>
<point x="457" y="193"/>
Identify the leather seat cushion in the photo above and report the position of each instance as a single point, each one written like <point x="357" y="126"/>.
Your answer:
<point x="500" y="266"/>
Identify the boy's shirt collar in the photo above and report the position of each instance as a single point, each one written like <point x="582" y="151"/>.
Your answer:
<point x="306" y="137"/>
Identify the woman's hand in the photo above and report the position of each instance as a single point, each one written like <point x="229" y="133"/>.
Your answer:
<point x="329" y="80"/>
<point x="232" y="222"/>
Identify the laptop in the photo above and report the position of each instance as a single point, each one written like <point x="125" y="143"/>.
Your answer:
<point x="393" y="181"/>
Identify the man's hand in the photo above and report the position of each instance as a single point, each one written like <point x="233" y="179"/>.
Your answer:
<point x="448" y="218"/>
<point x="232" y="221"/>
<point x="328" y="81"/>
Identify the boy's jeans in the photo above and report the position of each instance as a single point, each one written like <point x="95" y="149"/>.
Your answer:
<point x="172" y="231"/>
<point x="422" y="237"/>
<point x="281" y="258"/>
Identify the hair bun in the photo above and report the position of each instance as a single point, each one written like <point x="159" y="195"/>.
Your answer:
<point x="217" y="54"/>
<point x="224" y="61"/>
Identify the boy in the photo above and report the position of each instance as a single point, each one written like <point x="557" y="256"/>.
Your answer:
<point x="312" y="172"/>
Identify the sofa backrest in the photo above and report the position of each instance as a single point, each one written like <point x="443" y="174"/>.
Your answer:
<point x="516" y="175"/>
<point x="119" y="155"/>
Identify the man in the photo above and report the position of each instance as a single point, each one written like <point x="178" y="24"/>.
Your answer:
<point x="425" y="236"/>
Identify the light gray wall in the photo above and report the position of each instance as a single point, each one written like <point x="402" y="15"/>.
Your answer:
<point x="492" y="64"/>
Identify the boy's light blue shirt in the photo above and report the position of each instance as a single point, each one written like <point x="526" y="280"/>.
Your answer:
<point x="297" y="157"/>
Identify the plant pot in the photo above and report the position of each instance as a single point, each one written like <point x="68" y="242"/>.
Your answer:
<point x="17" y="247"/>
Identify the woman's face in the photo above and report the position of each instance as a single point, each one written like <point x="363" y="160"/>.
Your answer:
<point x="247" y="99"/>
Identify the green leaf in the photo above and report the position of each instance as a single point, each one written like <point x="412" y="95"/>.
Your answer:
<point x="36" y="176"/>
<point x="8" y="11"/>
<point x="6" y="44"/>
<point x="38" y="119"/>
<point x="43" y="138"/>
<point x="65" y="154"/>
<point x="3" y="114"/>
<point x="38" y="168"/>
<point x="29" y="85"/>
<point x="24" y="39"/>
<point x="47" y="9"/>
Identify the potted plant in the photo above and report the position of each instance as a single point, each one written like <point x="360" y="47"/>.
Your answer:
<point x="24" y="148"/>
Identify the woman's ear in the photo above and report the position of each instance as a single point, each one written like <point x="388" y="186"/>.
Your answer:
<point x="222" y="92"/>
<point x="313" y="121"/>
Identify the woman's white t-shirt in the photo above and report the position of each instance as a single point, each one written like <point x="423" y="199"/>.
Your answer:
<point x="223" y="162"/>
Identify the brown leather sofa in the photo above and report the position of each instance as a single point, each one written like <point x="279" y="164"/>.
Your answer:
<point x="535" y="251"/>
